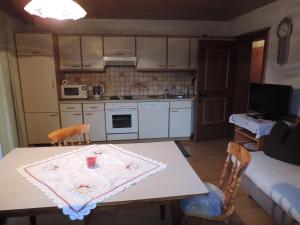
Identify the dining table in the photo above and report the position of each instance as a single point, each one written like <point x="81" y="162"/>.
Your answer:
<point x="177" y="181"/>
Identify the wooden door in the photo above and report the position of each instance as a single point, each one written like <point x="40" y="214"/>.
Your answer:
<point x="214" y="100"/>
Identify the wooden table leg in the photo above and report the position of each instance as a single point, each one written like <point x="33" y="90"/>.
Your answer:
<point x="2" y="220"/>
<point x="176" y="213"/>
<point x="32" y="220"/>
<point x="162" y="212"/>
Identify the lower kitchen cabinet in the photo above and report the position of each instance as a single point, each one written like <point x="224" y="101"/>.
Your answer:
<point x="39" y="125"/>
<point x="153" y="119"/>
<point x="70" y="118"/>
<point x="180" y="119"/>
<point x="94" y="115"/>
<point x="71" y="114"/>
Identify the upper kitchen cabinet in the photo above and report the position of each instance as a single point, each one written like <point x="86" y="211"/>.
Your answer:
<point x="194" y="53"/>
<point x="69" y="52"/>
<point x="119" y="46"/>
<point x="34" y="44"/>
<point x="151" y="52"/>
<point x="178" y="53"/>
<point x="92" y="53"/>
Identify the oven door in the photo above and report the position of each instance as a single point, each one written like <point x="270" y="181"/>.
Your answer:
<point x="120" y="121"/>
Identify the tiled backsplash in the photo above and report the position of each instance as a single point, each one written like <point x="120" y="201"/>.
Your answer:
<point x="122" y="81"/>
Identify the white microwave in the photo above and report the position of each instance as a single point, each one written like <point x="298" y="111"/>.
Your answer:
<point x="74" y="91"/>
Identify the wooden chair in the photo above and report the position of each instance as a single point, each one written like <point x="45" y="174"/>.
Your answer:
<point x="69" y="134"/>
<point x="235" y="165"/>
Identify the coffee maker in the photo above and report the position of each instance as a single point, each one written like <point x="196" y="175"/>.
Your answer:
<point x="98" y="90"/>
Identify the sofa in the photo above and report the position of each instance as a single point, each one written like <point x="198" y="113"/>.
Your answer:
<point x="273" y="177"/>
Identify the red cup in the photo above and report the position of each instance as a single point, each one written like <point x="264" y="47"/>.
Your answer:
<point x="91" y="161"/>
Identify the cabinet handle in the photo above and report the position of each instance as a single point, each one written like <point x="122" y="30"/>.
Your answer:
<point x="76" y="66"/>
<point x="161" y="65"/>
<point x="88" y="66"/>
<point x="52" y="83"/>
<point x="88" y="114"/>
<point x="70" y="107"/>
<point x="35" y="52"/>
<point x="76" y="114"/>
<point x="120" y="53"/>
<point x="94" y="107"/>
<point x="172" y="66"/>
<point x="53" y="115"/>
<point x="174" y="110"/>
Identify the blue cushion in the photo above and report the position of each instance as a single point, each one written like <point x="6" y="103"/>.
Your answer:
<point x="210" y="205"/>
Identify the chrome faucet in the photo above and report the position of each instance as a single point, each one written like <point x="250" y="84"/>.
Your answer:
<point x="186" y="91"/>
<point x="166" y="93"/>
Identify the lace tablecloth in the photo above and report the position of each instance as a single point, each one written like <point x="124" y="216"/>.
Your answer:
<point x="259" y="127"/>
<point x="67" y="180"/>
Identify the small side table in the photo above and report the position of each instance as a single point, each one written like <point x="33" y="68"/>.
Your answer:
<point x="249" y="129"/>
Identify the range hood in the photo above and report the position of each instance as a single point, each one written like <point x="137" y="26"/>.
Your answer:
<point x="120" y="61"/>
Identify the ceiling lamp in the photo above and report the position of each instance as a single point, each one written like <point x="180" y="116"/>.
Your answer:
<point x="57" y="9"/>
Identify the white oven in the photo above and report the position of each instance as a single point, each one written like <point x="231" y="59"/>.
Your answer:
<point x="121" y="119"/>
<point x="74" y="91"/>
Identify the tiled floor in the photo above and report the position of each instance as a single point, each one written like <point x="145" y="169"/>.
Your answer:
<point x="207" y="159"/>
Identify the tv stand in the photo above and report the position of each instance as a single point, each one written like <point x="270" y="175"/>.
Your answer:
<point x="251" y="128"/>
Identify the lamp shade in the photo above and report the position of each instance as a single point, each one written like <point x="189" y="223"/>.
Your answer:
<point x="56" y="9"/>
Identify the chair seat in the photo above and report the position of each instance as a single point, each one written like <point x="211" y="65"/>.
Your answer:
<point x="210" y="205"/>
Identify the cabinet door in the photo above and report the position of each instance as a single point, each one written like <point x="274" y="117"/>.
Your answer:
<point x="69" y="52"/>
<point x="194" y="53"/>
<point x="97" y="121"/>
<point x="92" y="53"/>
<point x="178" y="53"/>
<point x="151" y="52"/>
<point x="39" y="125"/>
<point x="38" y="81"/>
<point x="180" y="122"/>
<point x="70" y="119"/>
<point x="34" y="44"/>
<point x="119" y="46"/>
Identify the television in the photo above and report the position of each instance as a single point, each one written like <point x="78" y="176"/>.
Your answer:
<point x="270" y="100"/>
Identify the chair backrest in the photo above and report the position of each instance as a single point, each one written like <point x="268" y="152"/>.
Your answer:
<point x="235" y="165"/>
<point x="72" y="135"/>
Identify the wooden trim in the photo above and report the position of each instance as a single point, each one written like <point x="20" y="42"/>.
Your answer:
<point x="21" y="89"/>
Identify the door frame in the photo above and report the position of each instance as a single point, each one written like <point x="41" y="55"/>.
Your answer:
<point x="262" y="34"/>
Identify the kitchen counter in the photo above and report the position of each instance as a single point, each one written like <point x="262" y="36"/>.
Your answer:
<point x="135" y="99"/>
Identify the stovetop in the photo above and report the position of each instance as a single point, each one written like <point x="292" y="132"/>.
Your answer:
<point x="127" y="97"/>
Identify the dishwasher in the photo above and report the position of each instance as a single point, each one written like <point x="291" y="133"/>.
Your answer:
<point x="153" y="119"/>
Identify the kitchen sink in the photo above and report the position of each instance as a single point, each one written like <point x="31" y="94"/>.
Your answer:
<point x="169" y="96"/>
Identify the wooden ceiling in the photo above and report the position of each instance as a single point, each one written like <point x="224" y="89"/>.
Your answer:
<point x="217" y="10"/>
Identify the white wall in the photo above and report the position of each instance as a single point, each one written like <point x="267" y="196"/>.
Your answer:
<point x="8" y="126"/>
<point x="270" y="16"/>
<point x="149" y="27"/>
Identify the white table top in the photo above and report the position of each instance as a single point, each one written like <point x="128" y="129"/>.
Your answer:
<point x="177" y="181"/>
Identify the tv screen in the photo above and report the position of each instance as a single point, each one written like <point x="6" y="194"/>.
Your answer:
<point x="270" y="99"/>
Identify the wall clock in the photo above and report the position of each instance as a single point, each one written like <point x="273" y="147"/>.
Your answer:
<point x="284" y="32"/>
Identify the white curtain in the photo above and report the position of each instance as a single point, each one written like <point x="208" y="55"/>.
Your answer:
<point x="8" y="127"/>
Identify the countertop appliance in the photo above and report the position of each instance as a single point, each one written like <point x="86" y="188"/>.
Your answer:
<point x="98" y="90"/>
<point x="153" y="119"/>
<point x="121" y="120"/>
<point x="74" y="91"/>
